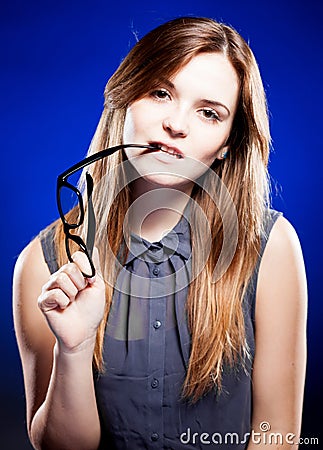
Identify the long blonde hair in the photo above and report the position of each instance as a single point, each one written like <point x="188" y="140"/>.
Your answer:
<point x="214" y="310"/>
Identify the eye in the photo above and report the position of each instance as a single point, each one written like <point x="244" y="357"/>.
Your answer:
<point x="210" y="115"/>
<point x="161" y="94"/>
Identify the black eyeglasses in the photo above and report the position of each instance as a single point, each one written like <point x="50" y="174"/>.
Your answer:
<point x="68" y="219"/>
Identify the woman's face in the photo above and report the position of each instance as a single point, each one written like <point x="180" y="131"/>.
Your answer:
<point x="190" y="115"/>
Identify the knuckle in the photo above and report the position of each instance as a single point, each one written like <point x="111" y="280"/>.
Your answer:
<point x="68" y="274"/>
<point x="40" y="300"/>
<point x="73" y="291"/>
<point x="61" y="278"/>
<point x="78" y="256"/>
<point x="76" y="277"/>
<point x="53" y="298"/>
<point x="74" y="270"/>
<point x="56" y="279"/>
<point x="44" y="300"/>
<point x="44" y="289"/>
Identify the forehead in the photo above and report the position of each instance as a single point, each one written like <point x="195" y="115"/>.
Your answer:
<point x="209" y="76"/>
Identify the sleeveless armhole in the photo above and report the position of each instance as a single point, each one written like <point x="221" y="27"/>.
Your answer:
<point x="46" y="238"/>
<point x="269" y="220"/>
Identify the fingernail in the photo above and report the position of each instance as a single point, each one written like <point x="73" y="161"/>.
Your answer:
<point x="91" y="280"/>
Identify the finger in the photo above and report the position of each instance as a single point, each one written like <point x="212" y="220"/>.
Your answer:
<point x="62" y="280"/>
<point x="97" y="266"/>
<point x="82" y="262"/>
<point x="69" y="273"/>
<point x="74" y="273"/>
<point x="53" y="299"/>
<point x="96" y="260"/>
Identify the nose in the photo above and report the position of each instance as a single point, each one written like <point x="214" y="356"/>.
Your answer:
<point x="176" y="125"/>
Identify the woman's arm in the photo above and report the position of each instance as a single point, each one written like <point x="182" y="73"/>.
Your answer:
<point x="55" y="321"/>
<point x="280" y="358"/>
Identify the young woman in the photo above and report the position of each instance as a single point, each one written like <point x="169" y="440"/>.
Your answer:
<point x="191" y="333"/>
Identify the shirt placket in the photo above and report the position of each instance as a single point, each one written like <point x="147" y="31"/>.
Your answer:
<point x="157" y="334"/>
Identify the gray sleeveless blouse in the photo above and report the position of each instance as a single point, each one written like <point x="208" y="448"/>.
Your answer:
<point x="147" y="349"/>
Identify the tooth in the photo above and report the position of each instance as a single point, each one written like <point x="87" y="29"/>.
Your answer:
<point x="170" y="151"/>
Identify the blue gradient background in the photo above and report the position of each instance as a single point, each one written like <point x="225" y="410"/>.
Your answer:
<point x="55" y="59"/>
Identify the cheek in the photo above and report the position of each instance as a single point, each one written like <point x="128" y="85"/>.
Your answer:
<point x="129" y="128"/>
<point x="209" y="154"/>
<point x="136" y="122"/>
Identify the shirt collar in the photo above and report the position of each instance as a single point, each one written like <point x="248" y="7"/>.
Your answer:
<point x="176" y="241"/>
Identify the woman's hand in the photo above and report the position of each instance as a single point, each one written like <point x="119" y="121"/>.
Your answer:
<point x="74" y="305"/>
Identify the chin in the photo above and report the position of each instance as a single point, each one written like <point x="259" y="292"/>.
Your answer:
<point x="167" y="181"/>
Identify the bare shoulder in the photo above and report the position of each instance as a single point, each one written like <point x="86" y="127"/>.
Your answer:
<point x="30" y="274"/>
<point x="282" y="261"/>
<point x="283" y="240"/>
<point x="31" y="271"/>
<point x="32" y="257"/>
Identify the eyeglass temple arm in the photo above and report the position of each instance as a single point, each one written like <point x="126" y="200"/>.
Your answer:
<point x="102" y="154"/>
<point x="91" y="224"/>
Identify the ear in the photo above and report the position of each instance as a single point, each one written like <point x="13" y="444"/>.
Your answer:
<point x="223" y="152"/>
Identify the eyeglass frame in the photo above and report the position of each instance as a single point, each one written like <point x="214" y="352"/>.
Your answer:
<point x="62" y="182"/>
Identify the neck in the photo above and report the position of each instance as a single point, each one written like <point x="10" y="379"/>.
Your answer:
<point x="155" y="210"/>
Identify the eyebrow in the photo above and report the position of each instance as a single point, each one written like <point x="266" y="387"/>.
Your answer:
<point x="211" y="103"/>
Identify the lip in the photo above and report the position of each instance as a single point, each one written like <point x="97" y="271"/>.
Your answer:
<point x="167" y="148"/>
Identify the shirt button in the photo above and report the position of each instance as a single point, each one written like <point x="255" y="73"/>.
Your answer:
<point x="157" y="324"/>
<point x="156" y="271"/>
<point x="154" y="383"/>
<point x="154" y="437"/>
